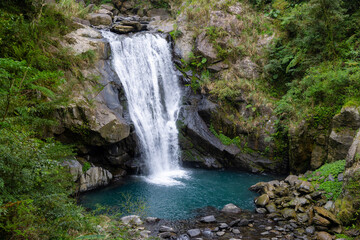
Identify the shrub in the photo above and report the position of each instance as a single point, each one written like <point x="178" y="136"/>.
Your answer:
<point x="334" y="188"/>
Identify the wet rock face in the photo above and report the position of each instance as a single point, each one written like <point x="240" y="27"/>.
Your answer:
<point x="201" y="148"/>
<point x="124" y="25"/>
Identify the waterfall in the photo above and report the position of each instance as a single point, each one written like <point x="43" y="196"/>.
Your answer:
<point x="144" y="65"/>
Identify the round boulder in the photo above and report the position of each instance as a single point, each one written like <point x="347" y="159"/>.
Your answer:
<point x="262" y="201"/>
<point x="231" y="208"/>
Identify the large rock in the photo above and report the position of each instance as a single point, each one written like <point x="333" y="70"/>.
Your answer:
<point x="93" y="178"/>
<point x="305" y="187"/>
<point x="205" y="47"/>
<point x="288" y="213"/>
<point x="95" y="119"/>
<point x="323" y="236"/>
<point x="231" y="208"/>
<point x="75" y="168"/>
<point x="262" y="201"/>
<point x="208" y="219"/>
<point x="86" y="39"/>
<point x="97" y="125"/>
<point x="122" y="29"/>
<point x="327" y="214"/>
<point x="98" y="19"/>
<point x="131" y="220"/>
<point x="194" y="232"/>
<point x="345" y="125"/>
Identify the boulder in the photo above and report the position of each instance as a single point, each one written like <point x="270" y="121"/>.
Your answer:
<point x="344" y="128"/>
<point x="310" y="230"/>
<point x="131" y="220"/>
<point x="194" y="232"/>
<point x="323" y="236"/>
<point x="85" y="39"/>
<point x="231" y="208"/>
<point x="260" y="210"/>
<point x="165" y="26"/>
<point x="122" y="29"/>
<point x="327" y="214"/>
<point x="354" y="150"/>
<point x="166" y="235"/>
<point x="205" y="47"/>
<point x="302" y="218"/>
<point x="262" y="201"/>
<point x="208" y="219"/>
<point x="288" y="213"/>
<point x="98" y="125"/>
<point x="292" y="180"/>
<point x="75" y="168"/>
<point x="271" y="207"/>
<point x="305" y="187"/>
<point x="98" y="19"/>
<point x="145" y="233"/>
<point x="217" y="67"/>
<point x="93" y="178"/>
<point x="259" y="187"/>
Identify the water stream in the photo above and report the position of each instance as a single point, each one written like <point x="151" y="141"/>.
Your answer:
<point x="144" y="65"/>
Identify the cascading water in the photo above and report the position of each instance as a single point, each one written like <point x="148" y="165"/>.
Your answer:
<point x="144" y="65"/>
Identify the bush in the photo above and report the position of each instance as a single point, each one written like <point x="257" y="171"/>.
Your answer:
<point x="334" y="188"/>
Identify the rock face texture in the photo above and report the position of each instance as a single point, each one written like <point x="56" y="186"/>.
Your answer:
<point x="93" y="178"/>
<point x="350" y="203"/>
<point x="311" y="146"/>
<point x="201" y="148"/>
<point x="95" y="120"/>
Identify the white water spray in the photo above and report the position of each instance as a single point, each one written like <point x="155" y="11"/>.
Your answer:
<point x="144" y="65"/>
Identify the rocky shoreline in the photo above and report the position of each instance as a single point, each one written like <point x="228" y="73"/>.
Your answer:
<point x="287" y="209"/>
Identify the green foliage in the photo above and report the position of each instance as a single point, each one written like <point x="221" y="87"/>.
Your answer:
<point x="334" y="188"/>
<point x="343" y="236"/>
<point x="321" y="92"/>
<point x="34" y="188"/>
<point x="176" y="33"/>
<point x="160" y="4"/>
<point x="196" y="64"/>
<point x="86" y="166"/>
<point x="225" y="139"/>
<point x="25" y="92"/>
<point x="314" y="65"/>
